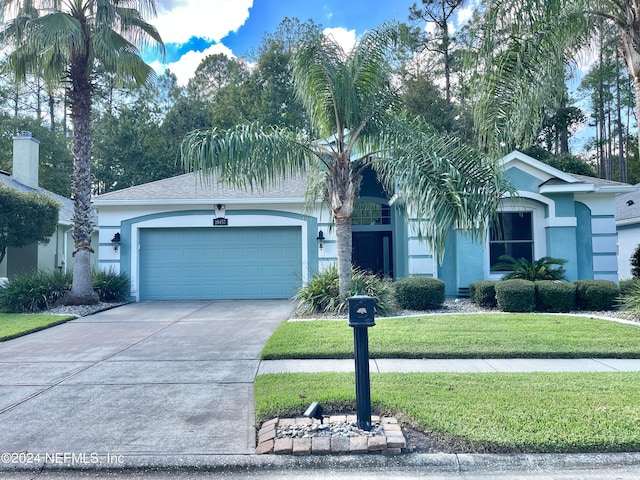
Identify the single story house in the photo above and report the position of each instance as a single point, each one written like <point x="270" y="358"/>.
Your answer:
<point x="628" y="226"/>
<point x="189" y="238"/>
<point x="57" y="253"/>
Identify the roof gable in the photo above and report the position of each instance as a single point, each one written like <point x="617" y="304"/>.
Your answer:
<point x="534" y="167"/>
<point x="553" y="180"/>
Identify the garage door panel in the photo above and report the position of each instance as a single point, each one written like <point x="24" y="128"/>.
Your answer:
<point x="225" y="263"/>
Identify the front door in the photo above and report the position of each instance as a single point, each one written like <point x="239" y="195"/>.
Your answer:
<point x="373" y="251"/>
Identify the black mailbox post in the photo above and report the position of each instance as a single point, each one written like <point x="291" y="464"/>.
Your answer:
<point x="361" y="314"/>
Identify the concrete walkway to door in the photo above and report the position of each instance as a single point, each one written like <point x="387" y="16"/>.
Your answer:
<point x="145" y="379"/>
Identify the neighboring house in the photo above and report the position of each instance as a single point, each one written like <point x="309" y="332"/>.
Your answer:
<point x="57" y="254"/>
<point x="186" y="238"/>
<point x="628" y="226"/>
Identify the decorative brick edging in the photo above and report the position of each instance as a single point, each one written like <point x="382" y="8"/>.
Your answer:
<point x="391" y="443"/>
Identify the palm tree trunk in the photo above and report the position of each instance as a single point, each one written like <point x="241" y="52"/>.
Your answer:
<point x="343" y="187"/>
<point x="344" y="247"/>
<point x="80" y="100"/>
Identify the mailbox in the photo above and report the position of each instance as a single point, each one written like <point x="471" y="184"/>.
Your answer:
<point x="361" y="311"/>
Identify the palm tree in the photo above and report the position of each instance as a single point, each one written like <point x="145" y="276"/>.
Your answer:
<point x="523" y="51"/>
<point x="64" y="42"/>
<point x="352" y="107"/>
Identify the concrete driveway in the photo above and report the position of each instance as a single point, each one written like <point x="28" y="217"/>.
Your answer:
<point x="144" y="379"/>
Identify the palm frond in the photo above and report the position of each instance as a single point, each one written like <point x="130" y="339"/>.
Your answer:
<point x="248" y="155"/>
<point x="524" y="49"/>
<point x="443" y="183"/>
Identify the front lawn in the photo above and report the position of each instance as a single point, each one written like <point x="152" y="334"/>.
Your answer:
<point x="14" y="325"/>
<point x="494" y="412"/>
<point x="461" y="336"/>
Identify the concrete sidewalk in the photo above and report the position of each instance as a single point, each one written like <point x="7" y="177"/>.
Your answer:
<point x="482" y="365"/>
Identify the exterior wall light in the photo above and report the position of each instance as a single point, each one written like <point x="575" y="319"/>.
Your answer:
<point x="320" y="239"/>
<point x="115" y="241"/>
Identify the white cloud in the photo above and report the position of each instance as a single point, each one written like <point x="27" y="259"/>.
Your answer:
<point x="179" y="20"/>
<point x="345" y="38"/>
<point x="465" y="14"/>
<point x="188" y="63"/>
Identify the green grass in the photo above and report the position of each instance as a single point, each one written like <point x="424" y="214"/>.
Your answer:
<point x="15" y="325"/>
<point x="461" y="336"/>
<point x="494" y="412"/>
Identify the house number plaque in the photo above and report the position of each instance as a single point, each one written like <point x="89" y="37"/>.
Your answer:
<point x="220" y="221"/>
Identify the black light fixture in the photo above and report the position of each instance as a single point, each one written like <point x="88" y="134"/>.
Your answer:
<point x="320" y="239"/>
<point x="115" y="241"/>
<point x="315" y="411"/>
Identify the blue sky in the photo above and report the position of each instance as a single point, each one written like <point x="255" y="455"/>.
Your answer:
<point x="193" y="29"/>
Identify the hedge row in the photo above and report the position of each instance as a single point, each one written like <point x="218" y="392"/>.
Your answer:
<point x="545" y="295"/>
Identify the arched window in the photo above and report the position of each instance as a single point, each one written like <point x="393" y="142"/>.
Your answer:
<point x="371" y="213"/>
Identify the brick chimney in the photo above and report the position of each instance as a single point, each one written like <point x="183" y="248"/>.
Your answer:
<point x="26" y="159"/>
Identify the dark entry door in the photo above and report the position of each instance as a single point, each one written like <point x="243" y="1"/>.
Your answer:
<point x="372" y="251"/>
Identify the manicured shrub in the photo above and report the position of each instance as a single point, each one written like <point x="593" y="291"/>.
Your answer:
<point x="33" y="292"/>
<point x="321" y="293"/>
<point x="419" y="293"/>
<point x="555" y="296"/>
<point x="483" y="293"/>
<point x="110" y="286"/>
<point x="515" y="295"/>
<point x="596" y="294"/>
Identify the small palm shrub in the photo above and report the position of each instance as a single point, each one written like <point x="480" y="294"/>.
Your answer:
<point x="483" y="293"/>
<point x="110" y="286"/>
<point x="541" y="269"/>
<point x="40" y="290"/>
<point x="628" y="286"/>
<point x="596" y="294"/>
<point x="35" y="291"/>
<point x="321" y="293"/>
<point x="515" y="295"/>
<point x="635" y="262"/>
<point x="555" y="296"/>
<point x="419" y="293"/>
<point x="631" y="300"/>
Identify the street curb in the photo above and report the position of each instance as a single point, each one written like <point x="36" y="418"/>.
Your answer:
<point x="434" y="463"/>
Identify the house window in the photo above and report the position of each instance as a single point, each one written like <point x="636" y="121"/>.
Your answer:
<point x="512" y="234"/>
<point x="371" y="213"/>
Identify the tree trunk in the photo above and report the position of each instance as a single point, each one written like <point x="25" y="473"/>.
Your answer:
<point x="621" y="163"/>
<point x="344" y="248"/>
<point x="52" y="108"/>
<point x="80" y="102"/>
<point x="632" y="59"/>
<point x="601" y="117"/>
<point x="343" y="187"/>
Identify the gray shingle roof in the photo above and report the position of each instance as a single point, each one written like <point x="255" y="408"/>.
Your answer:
<point x="598" y="182"/>
<point x="628" y="205"/>
<point x="66" y="209"/>
<point x="192" y="186"/>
